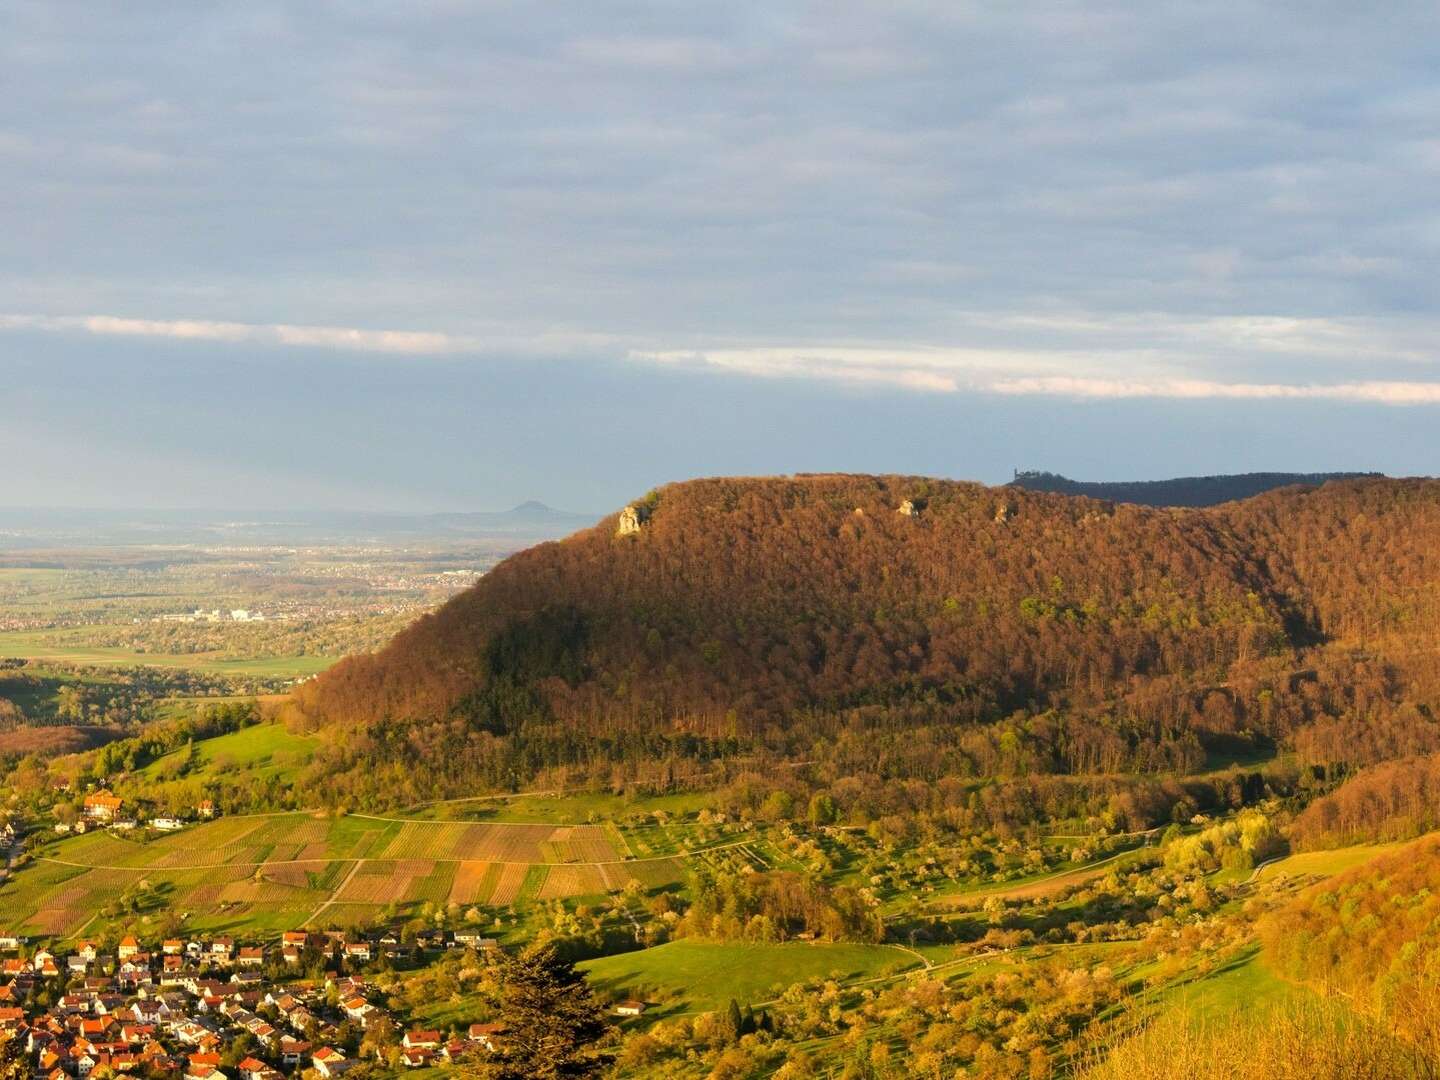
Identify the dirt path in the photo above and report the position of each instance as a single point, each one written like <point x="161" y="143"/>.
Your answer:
<point x="331" y="898"/>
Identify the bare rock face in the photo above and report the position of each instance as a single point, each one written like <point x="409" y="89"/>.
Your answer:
<point x="1002" y="513"/>
<point x="630" y="522"/>
<point x="907" y="509"/>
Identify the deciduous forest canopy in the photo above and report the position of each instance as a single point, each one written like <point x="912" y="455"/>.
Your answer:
<point x="890" y="628"/>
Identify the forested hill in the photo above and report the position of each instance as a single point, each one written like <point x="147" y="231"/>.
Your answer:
<point x="1182" y="491"/>
<point x="907" y="626"/>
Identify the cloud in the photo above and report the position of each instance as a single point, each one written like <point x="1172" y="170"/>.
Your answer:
<point x="325" y="337"/>
<point x="1076" y="357"/>
<point x="1384" y="393"/>
<point x="954" y="371"/>
<point x="337" y="338"/>
<point x="1151" y="355"/>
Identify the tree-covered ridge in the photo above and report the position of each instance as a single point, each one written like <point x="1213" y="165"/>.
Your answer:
<point x="1182" y="491"/>
<point x="988" y="632"/>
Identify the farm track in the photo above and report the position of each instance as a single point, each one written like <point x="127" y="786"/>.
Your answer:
<point x="337" y="891"/>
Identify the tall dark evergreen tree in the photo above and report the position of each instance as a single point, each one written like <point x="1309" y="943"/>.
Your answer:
<point x="551" y="1018"/>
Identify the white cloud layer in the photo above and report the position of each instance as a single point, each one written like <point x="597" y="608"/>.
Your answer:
<point x="408" y="342"/>
<point x="1074" y="357"/>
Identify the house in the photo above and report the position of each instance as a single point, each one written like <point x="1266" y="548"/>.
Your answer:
<point x="421" y="1040"/>
<point x="330" y="1062"/>
<point x="166" y="824"/>
<point x="359" y="1010"/>
<point x="102" y="806"/>
<point x="250" y="956"/>
<point x="358" y="950"/>
<point x="485" y="1035"/>
<point x="11" y="942"/>
<point x="298" y="938"/>
<point x="416" y="1059"/>
<point x="206" y="809"/>
<point x="473" y="939"/>
<point x="129" y="947"/>
<point x="252" y="1068"/>
<point x="172" y="947"/>
<point x="293" y="1050"/>
<point x="629" y="1008"/>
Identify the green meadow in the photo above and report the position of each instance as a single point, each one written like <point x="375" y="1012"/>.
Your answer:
<point x="698" y="976"/>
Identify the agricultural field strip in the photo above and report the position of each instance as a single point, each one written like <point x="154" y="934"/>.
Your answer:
<point x="152" y="867"/>
<point x="1076" y="875"/>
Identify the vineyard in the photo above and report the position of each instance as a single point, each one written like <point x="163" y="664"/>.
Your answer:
<point x="265" y="873"/>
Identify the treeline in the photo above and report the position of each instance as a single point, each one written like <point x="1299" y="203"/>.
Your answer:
<point x="1192" y="491"/>
<point x="1396" y="800"/>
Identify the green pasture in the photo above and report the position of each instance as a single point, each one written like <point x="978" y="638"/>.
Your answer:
<point x="263" y="750"/>
<point x="688" y="976"/>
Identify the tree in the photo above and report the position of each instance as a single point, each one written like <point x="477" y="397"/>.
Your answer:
<point x="551" y="1021"/>
<point x="14" y="1064"/>
<point x="734" y="1022"/>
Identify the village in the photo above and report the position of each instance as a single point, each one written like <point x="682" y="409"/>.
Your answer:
<point x="218" y="1009"/>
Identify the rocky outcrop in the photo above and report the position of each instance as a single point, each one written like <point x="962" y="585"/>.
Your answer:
<point x="630" y="521"/>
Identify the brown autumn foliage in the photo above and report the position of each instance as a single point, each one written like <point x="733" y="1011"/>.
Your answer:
<point x="1370" y="936"/>
<point x="1395" y="800"/>
<point x="996" y="632"/>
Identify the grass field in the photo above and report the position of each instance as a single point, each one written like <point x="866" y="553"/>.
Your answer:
<point x="264" y="749"/>
<point x="699" y="976"/>
<point x="1325" y="863"/>
<point x="1245" y="981"/>
<point x="39" y="645"/>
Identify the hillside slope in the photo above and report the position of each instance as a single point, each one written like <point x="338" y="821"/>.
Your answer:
<point x="774" y="612"/>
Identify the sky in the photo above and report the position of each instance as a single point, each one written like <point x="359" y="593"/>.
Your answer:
<point x="455" y="255"/>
